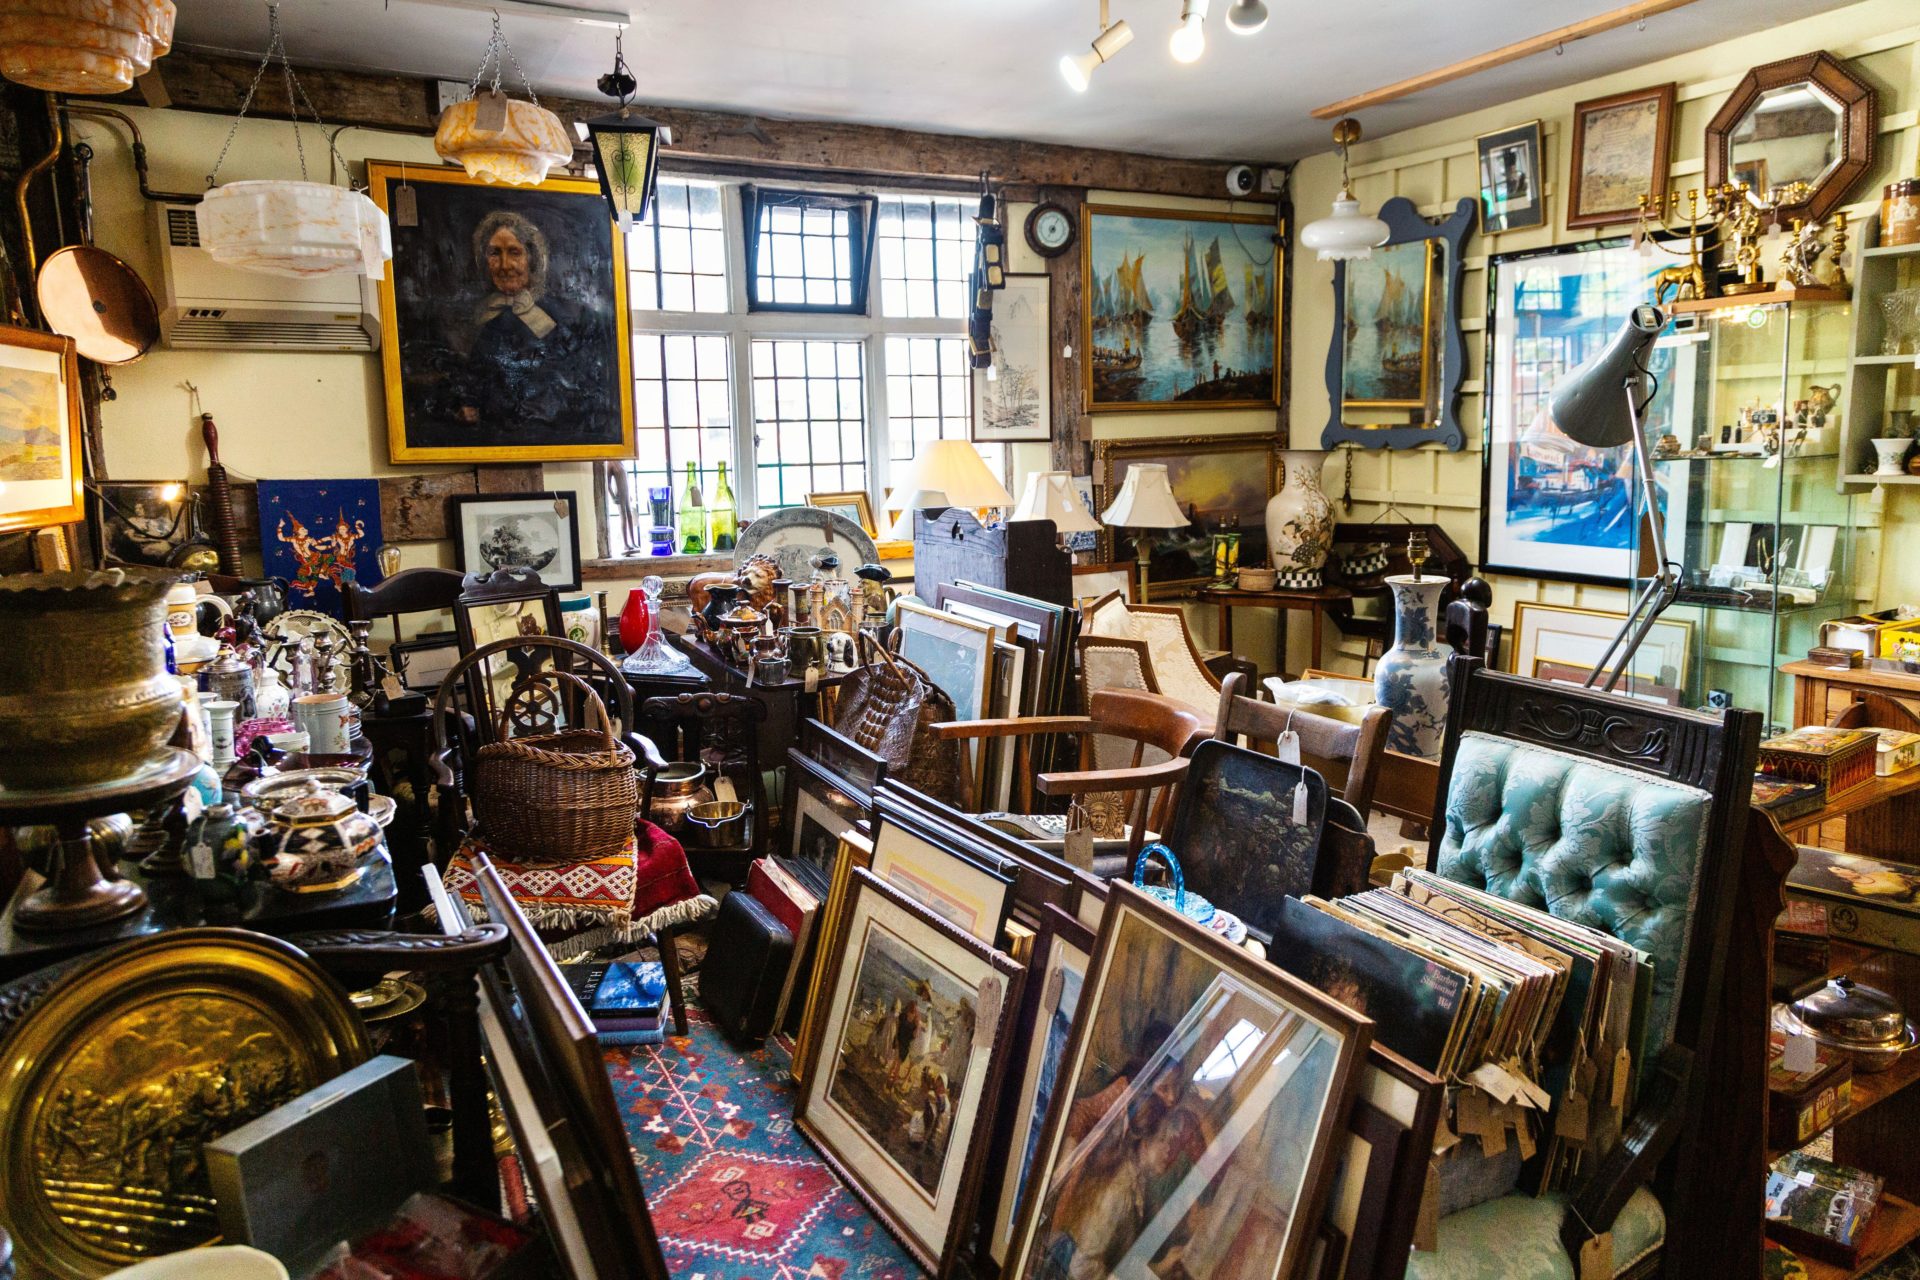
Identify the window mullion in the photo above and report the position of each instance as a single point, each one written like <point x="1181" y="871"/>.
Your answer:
<point x="746" y="489"/>
<point x="879" y="425"/>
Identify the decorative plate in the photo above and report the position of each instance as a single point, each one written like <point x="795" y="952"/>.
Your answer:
<point x="795" y="535"/>
<point x="111" y="1082"/>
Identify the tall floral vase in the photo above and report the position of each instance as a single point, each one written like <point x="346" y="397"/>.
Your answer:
<point x="1411" y="678"/>
<point x="1299" y="522"/>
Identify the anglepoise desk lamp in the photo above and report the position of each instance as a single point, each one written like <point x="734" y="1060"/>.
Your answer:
<point x="1602" y="404"/>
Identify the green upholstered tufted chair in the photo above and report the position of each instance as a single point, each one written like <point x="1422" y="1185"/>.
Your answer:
<point x="1626" y="817"/>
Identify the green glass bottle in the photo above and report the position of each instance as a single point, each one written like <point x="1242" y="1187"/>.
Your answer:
<point x="693" y="516"/>
<point x="723" y="517"/>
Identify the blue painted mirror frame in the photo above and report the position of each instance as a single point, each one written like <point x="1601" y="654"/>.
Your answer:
<point x="1405" y="225"/>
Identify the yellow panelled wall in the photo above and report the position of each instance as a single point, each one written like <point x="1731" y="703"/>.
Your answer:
<point x="1436" y="165"/>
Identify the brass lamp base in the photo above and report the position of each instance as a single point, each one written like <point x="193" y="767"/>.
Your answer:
<point x="76" y="894"/>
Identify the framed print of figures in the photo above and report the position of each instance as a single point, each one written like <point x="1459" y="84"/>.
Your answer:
<point x="40" y="468"/>
<point x="320" y="535"/>
<point x="906" y="1058"/>
<point x="1551" y="507"/>
<point x="1180" y="309"/>
<point x="537" y="531"/>
<point x="1013" y="403"/>
<point x="1194" y="1123"/>
<point x="503" y="320"/>
<point x="1620" y="150"/>
<point x="1223" y="482"/>
<point x="1552" y="639"/>
<point x="1511" y="197"/>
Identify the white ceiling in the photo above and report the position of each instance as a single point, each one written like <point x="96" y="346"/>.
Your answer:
<point x="987" y="67"/>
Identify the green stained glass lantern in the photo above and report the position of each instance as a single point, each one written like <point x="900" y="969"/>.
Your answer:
<point x="626" y="148"/>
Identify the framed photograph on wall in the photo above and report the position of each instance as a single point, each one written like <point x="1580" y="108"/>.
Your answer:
<point x="503" y="320"/>
<point x="144" y="522"/>
<point x="1012" y="404"/>
<point x="1179" y="309"/>
<point x="537" y="531"/>
<point x="40" y="468"/>
<point x="1222" y="481"/>
<point x="1511" y="197"/>
<point x="1621" y="146"/>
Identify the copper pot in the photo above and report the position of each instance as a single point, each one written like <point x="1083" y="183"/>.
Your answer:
<point x="85" y="697"/>
<point x="676" y="789"/>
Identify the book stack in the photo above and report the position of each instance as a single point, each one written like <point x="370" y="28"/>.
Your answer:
<point x="622" y="997"/>
<point x="778" y="884"/>
<point x="1820" y="1208"/>
<point x="1538" y="1015"/>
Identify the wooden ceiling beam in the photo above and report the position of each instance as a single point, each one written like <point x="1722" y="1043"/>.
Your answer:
<point x="198" y="81"/>
<point x="1593" y="26"/>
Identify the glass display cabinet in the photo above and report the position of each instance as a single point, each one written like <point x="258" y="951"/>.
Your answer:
<point x="1764" y="539"/>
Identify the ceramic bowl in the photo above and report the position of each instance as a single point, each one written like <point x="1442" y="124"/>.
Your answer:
<point x="222" y="1262"/>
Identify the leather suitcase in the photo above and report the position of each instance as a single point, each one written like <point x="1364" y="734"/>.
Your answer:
<point x="748" y="952"/>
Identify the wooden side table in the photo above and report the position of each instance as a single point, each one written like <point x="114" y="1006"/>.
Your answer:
<point x="1315" y="602"/>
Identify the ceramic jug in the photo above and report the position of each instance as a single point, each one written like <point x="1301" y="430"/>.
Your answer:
<point x="1411" y="678"/>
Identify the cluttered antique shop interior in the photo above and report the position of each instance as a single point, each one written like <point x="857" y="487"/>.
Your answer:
<point x="1007" y="640"/>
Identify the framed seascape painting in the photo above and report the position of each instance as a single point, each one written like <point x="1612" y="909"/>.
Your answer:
<point x="1223" y="482"/>
<point x="1011" y="405"/>
<point x="1194" y="1121"/>
<point x="320" y="535"/>
<point x="537" y="531"/>
<point x="1511" y="197"/>
<point x="1389" y="333"/>
<point x="1620" y="149"/>
<point x="40" y="468"/>
<point x="1551" y="507"/>
<point x="1179" y="308"/>
<point x="503" y="320"/>
<point x="906" y="1059"/>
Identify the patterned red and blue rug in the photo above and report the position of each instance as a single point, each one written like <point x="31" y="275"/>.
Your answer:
<point x="736" y="1192"/>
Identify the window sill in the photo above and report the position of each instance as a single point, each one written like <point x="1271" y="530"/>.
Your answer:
<point x="626" y="568"/>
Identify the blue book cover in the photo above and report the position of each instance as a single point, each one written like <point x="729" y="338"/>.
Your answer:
<point x="654" y="1036"/>
<point x="630" y="988"/>
<point x="320" y="535"/>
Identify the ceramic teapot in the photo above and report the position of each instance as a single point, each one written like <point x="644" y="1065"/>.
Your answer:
<point x="318" y="842"/>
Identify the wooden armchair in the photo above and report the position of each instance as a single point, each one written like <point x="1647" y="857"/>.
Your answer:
<point x="1148" y="791"/>
<point x="422" y="589"/>
<point x="1536" y="785"/>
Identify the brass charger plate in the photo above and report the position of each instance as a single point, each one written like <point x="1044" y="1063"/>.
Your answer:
<point x="113" y="1081"/>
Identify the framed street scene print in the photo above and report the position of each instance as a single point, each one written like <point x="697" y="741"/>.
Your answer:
<point x="1511" y="197"/>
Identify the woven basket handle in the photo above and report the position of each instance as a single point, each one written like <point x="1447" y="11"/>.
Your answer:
<point x="1173" y="865"/>
<point x="592" y="700"/>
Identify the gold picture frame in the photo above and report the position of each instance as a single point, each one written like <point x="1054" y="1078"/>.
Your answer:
<point x="438" y="322"/>
<point x="1362" y="271"/>
<point x="1196" y="472"/>
<point x="1662" y="661"/>
<point x="1148" y="282"/>
<point x="852" y="503"/>
<point x="40" y="420"/>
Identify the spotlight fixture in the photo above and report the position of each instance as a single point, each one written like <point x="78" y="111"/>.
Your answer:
<point x="1347" y="233"/>
<point x="1246" y="17"/>
<point x="1189" y="38"/>
<point x="1078" y="69"/>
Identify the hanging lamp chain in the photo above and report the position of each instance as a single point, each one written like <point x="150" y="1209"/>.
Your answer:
<point x="499" y="53"/>
<point x="296" y="99"/>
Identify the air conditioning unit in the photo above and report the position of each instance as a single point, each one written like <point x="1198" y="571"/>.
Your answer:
<point x="211" y="307"/>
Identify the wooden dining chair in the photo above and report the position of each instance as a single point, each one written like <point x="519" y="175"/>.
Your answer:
<point x="1348" y="756"/>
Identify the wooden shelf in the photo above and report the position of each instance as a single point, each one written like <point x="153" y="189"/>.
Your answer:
<point x="1690" y="306"/>
<point x="1895" y="1227"/>
<point x="1868" y="477"/>
<point x="1864" y="796"/>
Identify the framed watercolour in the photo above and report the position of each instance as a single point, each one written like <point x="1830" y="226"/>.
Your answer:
<point x="1196" y="1116"/>
<point x="503" y="320"/>
<point x="964" y="890"/>
<point x="537" y="531"/>
<point x="853" y="504"/>
<point x="1551" y="507"/>
<point x="1223" y="481"/>
<point x="1179" y="309"/>
<point x="1577" y="637"/>
<point x="1511" y="197"/>
<point x="1012" y="404"/>
<point x="1621" y="146"/>
<point x="320" y="535"/>
<point x="956" y="654"/>
<point x="1395" y="362"/>
<point x="40" y="451"/>
<point x="906" y="1061"/>
<point x="820" y="808"/>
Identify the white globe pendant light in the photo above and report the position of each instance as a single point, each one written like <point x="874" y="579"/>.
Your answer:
<point x="1347" y="233"/>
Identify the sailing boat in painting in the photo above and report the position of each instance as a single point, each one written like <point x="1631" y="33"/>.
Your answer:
<point x="1259" y="295"/>
<point x="1205" y="299"/>
<point x="1387" y="342"/>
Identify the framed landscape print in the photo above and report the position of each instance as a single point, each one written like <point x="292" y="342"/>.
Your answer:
<point x="40" y="467"/>
<point x="1179" y="309"/>
<point x="503" y="320"/>
<point x="1012" y="404"/>
<point x="320" y="535"/>
<point x="537" y="531"/>
<point x="1511" y="197"/>
<point x="907" y="1057"/>
<point x="1222" y="481"/>
<point x="1387" y="360"/>
<point x="1194" y="1122"/>
<point x="1620" y="150"/>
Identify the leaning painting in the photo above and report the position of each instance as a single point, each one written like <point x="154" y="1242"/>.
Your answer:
<point x="1179" y="308"/>
<point x="1389" y="337"/>
<point x="1222" y="482"/>
<point x="503" y="320"/>
<point x="39" y="430"/>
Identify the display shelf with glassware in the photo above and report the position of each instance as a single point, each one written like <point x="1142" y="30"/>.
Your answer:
<point x="1882" y="407"/>
<point x="1765" y="544"/>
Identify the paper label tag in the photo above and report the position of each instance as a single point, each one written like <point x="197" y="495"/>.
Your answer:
<point x="986" y="1021"/>
<point x="1801" y="1055"/>
<point x="406" y="206"/>
<point x="1570" y="1122"/>
<point x="1471" y="1113"/>
<point x="1079" y="849"/>
<point x="1287" y="749"/>
<point x="813" y="679"/>
<point x="200" y="860"/>
<point x="392" y="687"/>
<point x="1493" y="1139"/>
<point x="1522" y="1132"/>
<point x="1596" y="1258"/>
<point x="490" y="111"/>
<point x="1426" y="1228"/>
<point x="1622" y="1069"/>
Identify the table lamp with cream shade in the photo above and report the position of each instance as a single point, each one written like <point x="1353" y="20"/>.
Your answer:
<point x="947" y="473"/>
<point x="1145" y="503"/>
<point x="1050" y="495"/>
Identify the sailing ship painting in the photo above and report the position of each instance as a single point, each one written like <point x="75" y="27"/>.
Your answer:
<point x="1388" y="338"/>
<point x="1179" y="309"/>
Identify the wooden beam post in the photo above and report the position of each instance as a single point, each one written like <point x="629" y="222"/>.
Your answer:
<point x="1069" y="448"/>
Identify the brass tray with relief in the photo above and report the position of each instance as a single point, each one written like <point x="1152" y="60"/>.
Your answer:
<point x="113" y="1080"/>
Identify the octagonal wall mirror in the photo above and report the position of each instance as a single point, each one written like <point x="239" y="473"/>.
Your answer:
<point x="1807" y="119"/>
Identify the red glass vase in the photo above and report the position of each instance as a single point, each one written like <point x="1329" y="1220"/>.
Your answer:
<point x="636" y="621"/>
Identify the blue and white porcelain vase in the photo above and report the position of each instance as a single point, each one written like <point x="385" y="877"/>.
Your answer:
<point x="1411" y="678"/>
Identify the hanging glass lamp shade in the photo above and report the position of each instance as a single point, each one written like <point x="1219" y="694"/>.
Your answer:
<point x="82" y="46"/>
<point x="530" y="142"/>
<point x="626" y="154"/>
<point x="294" y="228"/>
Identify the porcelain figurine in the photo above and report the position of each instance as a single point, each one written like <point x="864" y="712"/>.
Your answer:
<point x="1411" y="678"/>
<point x="1299" y="522"/>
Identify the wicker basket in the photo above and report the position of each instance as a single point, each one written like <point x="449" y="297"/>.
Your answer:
<point x="557" y="797"/>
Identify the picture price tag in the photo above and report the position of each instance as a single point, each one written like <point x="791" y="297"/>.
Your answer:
<point x="1471" y="1113"/>
<point x="1426" y="1229"/>
<point x="1801" y="1055"/>
<point x="987" y="1020"/>
<point x="392" y="687"/>
<point x="200" y="858"/>
<point x="1571" y="1120"/>
<point x="1622" y="1070"/>
<point x="1522" y="1132"/>
<point x="1596" y="1258"/>
<point x="1079" y="848"/>
<point x="490" y="111"/>
<point x="406" y="206"/>
<point x="1493" y="1138"/>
